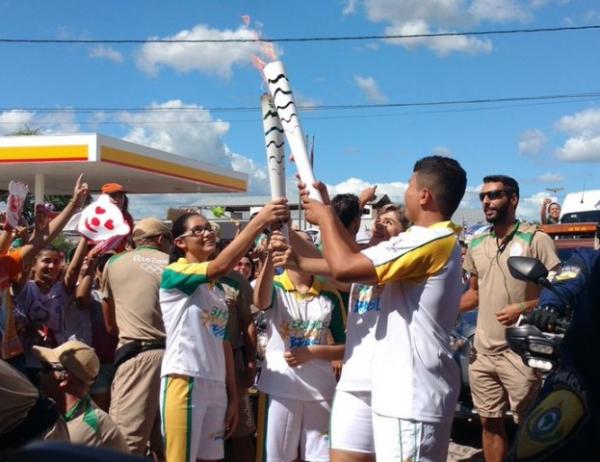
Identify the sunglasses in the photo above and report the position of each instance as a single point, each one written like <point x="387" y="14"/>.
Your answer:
<point x="198" y="230"/>
<point x="493" y="195"/>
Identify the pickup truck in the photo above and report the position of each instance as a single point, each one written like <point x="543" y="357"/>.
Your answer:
<point x="570" y="236"/>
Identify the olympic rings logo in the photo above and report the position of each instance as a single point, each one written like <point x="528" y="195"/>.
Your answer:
<point x="152" y="269"/>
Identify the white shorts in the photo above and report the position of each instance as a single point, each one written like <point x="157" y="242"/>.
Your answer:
<point x="192" y="412"/>
<point x="400" y="439"/>
<point x="286" y="425"/>
<point x="351" y="426"/>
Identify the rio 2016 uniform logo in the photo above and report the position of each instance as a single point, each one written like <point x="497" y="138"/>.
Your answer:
<point x="300" y="333"/>
<point x="216" y="320"/>
<point x="365" y="299"/>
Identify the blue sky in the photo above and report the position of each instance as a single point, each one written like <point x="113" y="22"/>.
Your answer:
<point x="542" y="145"/>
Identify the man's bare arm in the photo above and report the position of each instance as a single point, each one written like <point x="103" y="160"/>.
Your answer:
<point x="470" y="299"/>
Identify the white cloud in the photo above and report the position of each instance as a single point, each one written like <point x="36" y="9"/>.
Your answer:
<point x="307" y="102"/>
<point x="583" y="144"/>
<point x="532" y="142"/>
<point x="394" y="190"/>
<point x="585" y="123"/>
<point x="529" y="206"/>
<point x="499" y="10"/>
<point x="46" y="123"/>
<point x="592" y="16"/>
<point x="580" y="149"/>
<point x="551" y="178"/>
<point x="349" y="7"/>
<point x="104" y="52"/>
<point x="209" y="58"/>
<point x="369" y="87"/>
<point x="14" y="120"/>
<point x="437" y="16"/>
<point x="442" y="46"/>
<point x="193" y="133"/>
<point x="441" y="151"/>
<point x="448" y="12"/>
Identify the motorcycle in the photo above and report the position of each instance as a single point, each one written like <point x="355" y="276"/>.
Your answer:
<point x="461" y="343"/>
<point x="560" y="424"/>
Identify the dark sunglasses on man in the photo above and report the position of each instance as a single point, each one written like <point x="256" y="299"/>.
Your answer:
<point x="493" y="195"/>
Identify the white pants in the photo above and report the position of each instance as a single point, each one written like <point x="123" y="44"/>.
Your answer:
<point x="400" y="440"/>
<point x="287" y="424"/>
<point x="193" y="417"/>
<point x="351" y="425"/>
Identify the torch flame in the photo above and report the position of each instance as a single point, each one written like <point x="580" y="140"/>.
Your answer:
<point x="258" y="63"/>
<point x="269" y="50"/>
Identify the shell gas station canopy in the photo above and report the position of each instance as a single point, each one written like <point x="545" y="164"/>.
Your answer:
<point x="51" y="164"/>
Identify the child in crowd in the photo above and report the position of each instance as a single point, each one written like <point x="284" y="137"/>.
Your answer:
<point x="297" y="381"/>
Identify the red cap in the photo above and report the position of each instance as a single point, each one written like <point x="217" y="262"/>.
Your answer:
<point x="110" y="188"/>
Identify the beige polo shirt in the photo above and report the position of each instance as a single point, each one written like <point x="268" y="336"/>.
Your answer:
<point x="91" y="426"/>
<point x="132" y="279"/>
<point x="487" y="258"/>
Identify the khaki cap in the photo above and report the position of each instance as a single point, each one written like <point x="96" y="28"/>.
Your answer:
<point x="76" y="357"/>
<point x="149" y="227"/>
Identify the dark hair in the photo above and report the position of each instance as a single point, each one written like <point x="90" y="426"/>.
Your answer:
<point x="102" y="260"/>
<point x="347" y="208"/>
<point x="446" y="180"/>
<point x="510" y="184"/>
<point x="49" y="248"/>
<point x="125" y="208"/>
<point x="248" y="255"/>
<point x="177" y="229"/>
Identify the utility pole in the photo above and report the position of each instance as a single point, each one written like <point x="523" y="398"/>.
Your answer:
<point x="554" y="190"/>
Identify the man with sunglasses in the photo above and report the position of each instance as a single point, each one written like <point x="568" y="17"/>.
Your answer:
<point x="131" y="308"/>
<point x="68" y="372"/>
<point x="498" y="378"/>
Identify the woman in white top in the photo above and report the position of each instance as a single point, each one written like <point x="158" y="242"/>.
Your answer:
<point x="297" y="381"/>
<point x="198" y="392"/>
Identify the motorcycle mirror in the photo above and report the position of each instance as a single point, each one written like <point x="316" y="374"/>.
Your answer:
<point x="527" y="269"/>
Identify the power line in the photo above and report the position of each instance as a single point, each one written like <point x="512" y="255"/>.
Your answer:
<point x="309" y="117"/>
<point x="301" y="39"/>
<point x="510" y="99"/>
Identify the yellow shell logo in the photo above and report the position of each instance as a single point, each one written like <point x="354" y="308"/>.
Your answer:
<point x="550" y="422"/>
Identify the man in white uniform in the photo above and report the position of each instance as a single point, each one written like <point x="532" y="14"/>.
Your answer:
<point x="415" y="380"/>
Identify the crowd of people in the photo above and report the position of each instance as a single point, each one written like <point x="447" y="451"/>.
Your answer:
<point x="153" y="348"/>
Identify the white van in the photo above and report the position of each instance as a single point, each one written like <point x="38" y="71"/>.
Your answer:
<point x="580" y="207"/>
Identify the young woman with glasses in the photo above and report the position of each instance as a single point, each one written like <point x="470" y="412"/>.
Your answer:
<point x="198" y="391"/>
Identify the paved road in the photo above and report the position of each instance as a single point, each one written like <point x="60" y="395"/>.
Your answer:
<point x="465" y="443"/>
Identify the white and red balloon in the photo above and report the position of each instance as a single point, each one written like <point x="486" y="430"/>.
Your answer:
<point x="102" y="220"/>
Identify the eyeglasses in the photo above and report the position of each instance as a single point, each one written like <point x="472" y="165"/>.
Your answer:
<point x="198" y="230"/>
<point x="493" y="195"/>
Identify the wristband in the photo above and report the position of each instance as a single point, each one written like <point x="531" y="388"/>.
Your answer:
<point x="522" y="307"/>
